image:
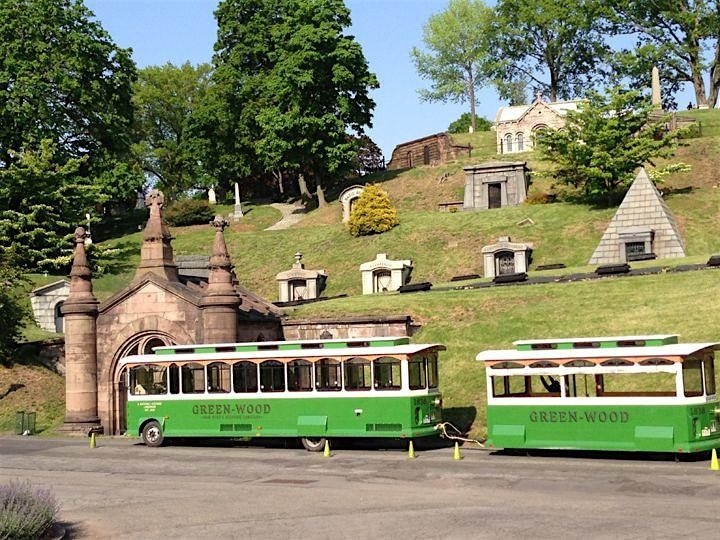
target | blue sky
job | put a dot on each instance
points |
(176, 31)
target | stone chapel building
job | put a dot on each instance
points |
(157, 308)
(516, 126)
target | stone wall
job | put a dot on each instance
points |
(49, 353)
(440, 149)
(348, 327)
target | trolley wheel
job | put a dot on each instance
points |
(313, 444)
(152, 434)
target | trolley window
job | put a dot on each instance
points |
(510, 386)
(654, 384)
(218, 375)
(387, 374)
(417, 372)
(272, 376)
(357, 374)
(299, 376)
(245, 378)
(174, 372)
(692, 377)
(193, 378)
(709, 365)
(544, 385)
(148, 379)
(432, 371)
(327, 375)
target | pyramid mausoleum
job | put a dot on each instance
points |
(642, 228)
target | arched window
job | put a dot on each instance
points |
(426, 155)
(508, 142)
(218, 377)
(520, 142)
(272, 376)
(193, 378)
(357, 374)
(327, 375)
(386, 374)
(245, 377)
(299, 376)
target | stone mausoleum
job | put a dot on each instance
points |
(159, 307)
(431, 150)
(298, 283)
(47, 302)
(496, 184)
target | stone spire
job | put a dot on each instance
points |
(156, 255)
(80, 311)
(220, 300)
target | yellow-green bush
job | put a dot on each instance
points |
(373, 213)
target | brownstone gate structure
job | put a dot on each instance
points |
(158, 307)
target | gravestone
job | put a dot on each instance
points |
(641, 227)
(495, 185)
(505, 258)
(348, 198)
(299, 283)
(212, 198)
(383, 274)
(237, 210)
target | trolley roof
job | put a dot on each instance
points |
(681, 349)
(283, 345)
(602, 342)
(285, 354)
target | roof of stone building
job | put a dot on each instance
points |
(515, 112)
(50, 287)
(642, 209)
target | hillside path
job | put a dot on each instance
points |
(291, 214)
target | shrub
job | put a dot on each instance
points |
(189, 212)
(25, 512)
(373, 212)
(540, 197)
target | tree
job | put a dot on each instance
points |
(557, 46)
(462, 124)
(62, 78)
(457, 44)
(604, 142)
(288, 87)
(164, 98)
(13, 308)
(675, 34)
(368, 158)
(373, 213)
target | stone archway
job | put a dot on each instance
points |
(142, 343)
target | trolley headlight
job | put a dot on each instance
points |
(438, 401)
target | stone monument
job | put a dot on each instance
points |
(299, 283)
(505, 257)
(383, 274)
(237, 211)
(656, 95)
(212, 197)
(348, 198)
(495, 185)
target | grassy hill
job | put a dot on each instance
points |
(443, 245)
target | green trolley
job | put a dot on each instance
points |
(312, 390)
(629, 393)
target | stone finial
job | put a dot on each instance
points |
(80, 278)
(156, 255)
(298, 257)
(220, 258)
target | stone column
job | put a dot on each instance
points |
(220, 301)
(80, 311)
(656, 95)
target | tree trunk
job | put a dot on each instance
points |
(471, 93)
(302, 184)
(320, 195)
(279, 178)
(698, 82)
(714, 77)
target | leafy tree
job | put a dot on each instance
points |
(288, 87)
(373, 213)
(62, 78)
(557, 46)
(164, 98)
(602, 145)
(457, 46)
(41, 202)
(676, 34)
(462, 124)
(13, 307)
(368, 158)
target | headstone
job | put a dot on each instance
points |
(88, 236)
(505, 257)
(656, 95)
(300, 284)
(237, 211)
(212, 198)
(643, 224)
(384, 275)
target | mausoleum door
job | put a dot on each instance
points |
(504, 263)
(494, 195)
(381, 280)
(298, 289)
(426, 155)
(59, 320)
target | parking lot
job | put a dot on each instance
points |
(121, 489)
